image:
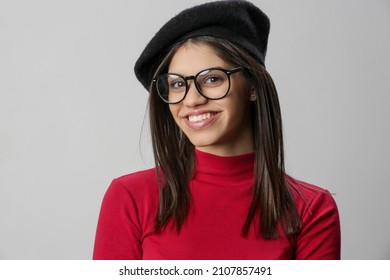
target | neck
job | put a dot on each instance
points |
(226, 151)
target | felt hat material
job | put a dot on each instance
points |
(237, 21)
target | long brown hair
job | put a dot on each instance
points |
(273, 200)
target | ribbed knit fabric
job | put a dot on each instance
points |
(221, 194)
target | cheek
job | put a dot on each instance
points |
(239, 105)
(174, 109)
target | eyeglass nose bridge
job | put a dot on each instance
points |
(189, 78)
(186, 79)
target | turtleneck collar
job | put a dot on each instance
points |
(234, 168)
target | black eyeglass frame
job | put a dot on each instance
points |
(194, 77)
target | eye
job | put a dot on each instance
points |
(213, 80)
(177, 84)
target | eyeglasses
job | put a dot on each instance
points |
(212, 83)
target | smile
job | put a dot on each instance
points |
(200, 121)
(199, 118)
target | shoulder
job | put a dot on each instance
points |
(137, 186)
(138, 180)
(309, 197)
(320, 236)
(126, 215)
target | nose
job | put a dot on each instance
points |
(193, 97)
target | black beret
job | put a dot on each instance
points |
(237, 21)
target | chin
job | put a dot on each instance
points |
(199, 143)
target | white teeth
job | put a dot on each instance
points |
(199, 117)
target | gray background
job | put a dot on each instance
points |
(72, 112)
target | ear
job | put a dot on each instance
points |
(252, 96)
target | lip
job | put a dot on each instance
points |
(203, 123)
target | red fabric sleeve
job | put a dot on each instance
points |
(119, 233)
(320, 235)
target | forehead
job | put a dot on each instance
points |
(191, 58)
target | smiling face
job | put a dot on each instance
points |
(222, 127)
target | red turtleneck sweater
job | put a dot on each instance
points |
(221, 192)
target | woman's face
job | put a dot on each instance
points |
(222, 127)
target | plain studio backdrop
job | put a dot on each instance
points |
(72, 114)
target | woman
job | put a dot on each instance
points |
(219, 189)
